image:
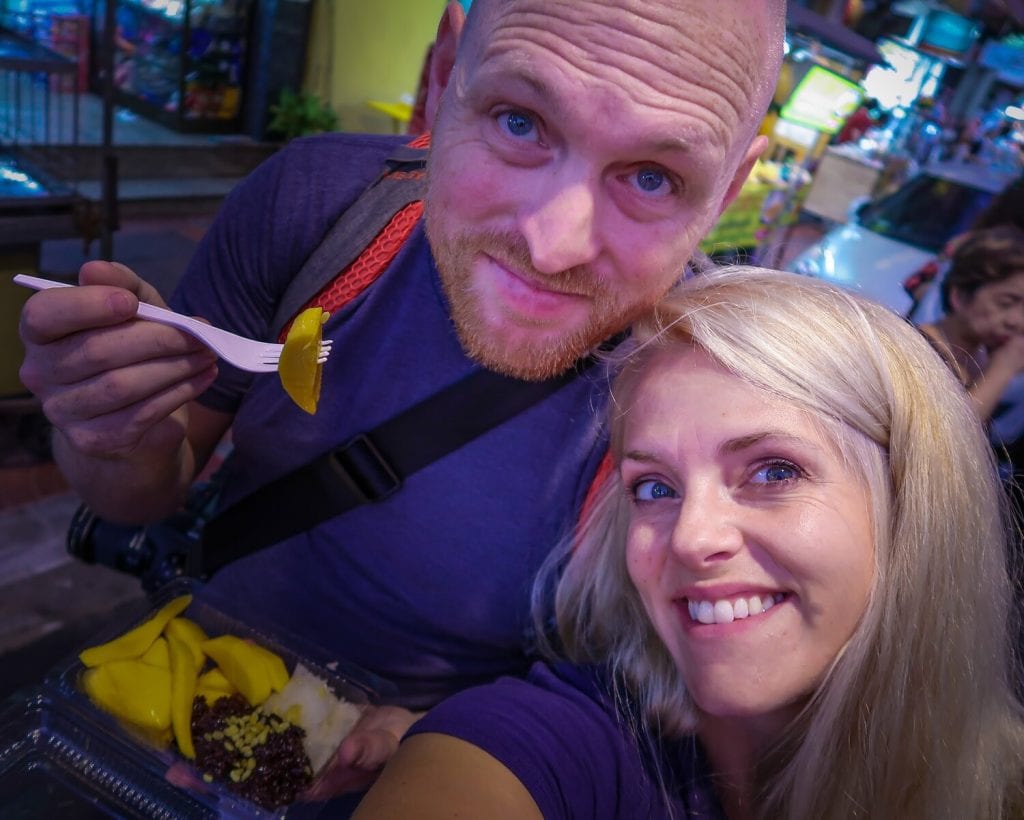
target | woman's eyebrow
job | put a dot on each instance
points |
(640, 455)
(735, 445)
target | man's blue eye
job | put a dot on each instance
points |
(776, 472)
(518, 123)
(650, 180)
(652, 490)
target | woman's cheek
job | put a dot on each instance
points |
(643, 559)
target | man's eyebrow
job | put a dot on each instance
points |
(523, 73)
(672, 145)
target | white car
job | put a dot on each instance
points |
(887, 239)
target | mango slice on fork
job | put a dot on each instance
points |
(300, 368)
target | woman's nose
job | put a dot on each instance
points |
(707, 529)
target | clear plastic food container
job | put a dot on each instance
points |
(57, 762)
(58, 751)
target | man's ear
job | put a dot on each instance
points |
(757, 147)
(442, 57)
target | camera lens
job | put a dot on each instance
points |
(96, 541)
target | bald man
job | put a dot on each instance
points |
(580, 150)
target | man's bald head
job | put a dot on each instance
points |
(757, 29)
(581, 150)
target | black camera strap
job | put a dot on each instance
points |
(372, 466)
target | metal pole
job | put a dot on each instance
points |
(109, 222)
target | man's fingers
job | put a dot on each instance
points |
(108, 294)
(120, 276)
(111, 390)
(53, 314)
(355, 765)
(121, 430)
(81, 356)
(377, 749)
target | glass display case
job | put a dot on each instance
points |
(180, 62)
(59, 25)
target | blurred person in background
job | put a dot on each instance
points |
(1007, 208)
(982, 331)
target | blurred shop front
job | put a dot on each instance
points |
(207, 66)
(853, 116)
(818, 91)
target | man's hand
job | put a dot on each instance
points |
(110, 384)
(363, 753)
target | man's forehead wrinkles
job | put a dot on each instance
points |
(672, 96)
(634, 61)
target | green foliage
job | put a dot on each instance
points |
(297, 115)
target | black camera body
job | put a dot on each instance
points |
(156, 554)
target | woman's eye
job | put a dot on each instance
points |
(517, 123)
(776, 472)
(651, 490)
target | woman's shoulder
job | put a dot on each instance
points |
(558, 731)
(574, 739)
(548, 700)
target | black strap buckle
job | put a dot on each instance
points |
(365, 469)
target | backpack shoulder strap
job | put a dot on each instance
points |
(397, 191)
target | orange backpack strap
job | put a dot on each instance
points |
(604, 470)
(363, 241)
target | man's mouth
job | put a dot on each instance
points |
(727, 610)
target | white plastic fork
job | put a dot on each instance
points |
(247, 354)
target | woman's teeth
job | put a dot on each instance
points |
(725, 612)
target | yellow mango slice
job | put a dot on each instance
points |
(214, 679)
(277, 672)
(132, 690)
(183, 692)
(241, 665)
(135, 642)
(211, 695)
(189, 633)
(157, 655)
(213, 686)
(299, 368)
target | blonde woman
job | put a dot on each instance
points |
(789, 600)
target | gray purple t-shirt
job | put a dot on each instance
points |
(428, 588)
(560, 733)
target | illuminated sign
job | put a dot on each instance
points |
(822, 100)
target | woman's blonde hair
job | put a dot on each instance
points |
(917, 716)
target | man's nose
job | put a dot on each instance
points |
(560, 224)
(707, 530)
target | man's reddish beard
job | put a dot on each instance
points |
(546, 353)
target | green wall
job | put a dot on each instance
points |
(371, 50)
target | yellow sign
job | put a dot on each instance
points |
(740, 224)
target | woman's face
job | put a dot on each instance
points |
(994, 312)
(750, 541)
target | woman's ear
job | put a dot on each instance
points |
(958, 300)
(442, 57)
